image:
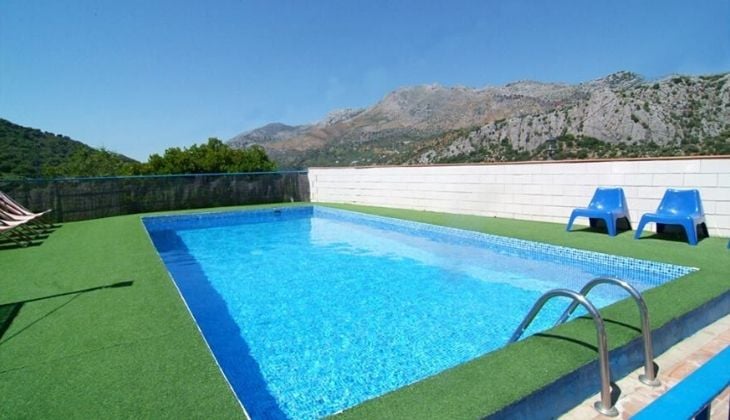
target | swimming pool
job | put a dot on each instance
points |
(310, 310)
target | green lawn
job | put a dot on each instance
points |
(77, 348)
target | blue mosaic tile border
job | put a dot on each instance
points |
(644, 273)
(224, 218)
(647, 273)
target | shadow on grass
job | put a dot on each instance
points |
(615, 389)
(598, 231)
(9, 311)
(623, 324)
(28, 240)
(568, 339)
(16, 245)
(669, 237)
(599, 226)
(7, 315)
(675, 233)
(611, 321)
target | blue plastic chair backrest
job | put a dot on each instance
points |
(681, 202)
(608, 198)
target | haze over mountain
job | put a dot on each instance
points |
(621, 114)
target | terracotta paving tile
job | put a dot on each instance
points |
(724, 336)
(716, 346)
(720, 409)
(659, 392)
(632, 407)
(670, 382)
(682, 370)
(700, 356)
(704, 336)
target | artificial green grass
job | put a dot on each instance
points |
(79, 349)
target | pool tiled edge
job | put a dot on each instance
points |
(578, 256)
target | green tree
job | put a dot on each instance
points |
(212, 157)
(92, 162)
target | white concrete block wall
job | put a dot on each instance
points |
(545, 191)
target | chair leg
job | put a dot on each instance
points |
(570, 222)
(610, 225)
(691, 230)
(640, 228)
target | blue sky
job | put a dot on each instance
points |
(137, 77)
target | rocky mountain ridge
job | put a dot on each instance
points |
(432, 123)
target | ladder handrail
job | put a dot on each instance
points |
(649, 376)
(604, 406)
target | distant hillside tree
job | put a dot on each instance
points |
(92, 162)
(213, 157)
(30, 153)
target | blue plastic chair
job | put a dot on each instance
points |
(608, 204)
(678, 207)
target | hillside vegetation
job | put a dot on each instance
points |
(31, 153)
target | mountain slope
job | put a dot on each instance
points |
(381, 132)
(26, 152)
(425, 124)
(670, 115)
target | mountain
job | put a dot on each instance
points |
(29, 152)
(618, 115)
(268, 133)
(405, 116)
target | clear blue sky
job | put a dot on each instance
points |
(138, 77)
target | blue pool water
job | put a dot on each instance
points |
(311, 310)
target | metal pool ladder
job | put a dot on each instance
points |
(649, 375)
(604, 406)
